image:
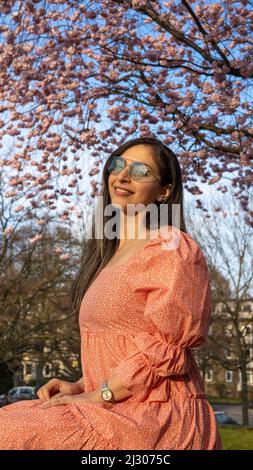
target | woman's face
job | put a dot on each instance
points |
(140, 192)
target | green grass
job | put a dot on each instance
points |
(234, 438)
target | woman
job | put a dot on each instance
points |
(143, 304)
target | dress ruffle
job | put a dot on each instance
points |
(35, 428)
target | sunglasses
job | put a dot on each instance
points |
(139, 171)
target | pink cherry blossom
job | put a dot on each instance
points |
(65, 257)
(18, 208)
(9, 230)
(35, 238)
(78, 77)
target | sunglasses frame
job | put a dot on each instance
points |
(131, 166)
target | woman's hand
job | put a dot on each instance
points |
(58, 388)
(90, 397)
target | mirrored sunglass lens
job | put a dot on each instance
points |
(139, 170)
(116, 165)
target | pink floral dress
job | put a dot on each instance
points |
(140, 321)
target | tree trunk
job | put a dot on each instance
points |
(245, 410)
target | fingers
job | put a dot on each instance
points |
(45, 392)
(59, 395)
(68, 399)
(63, 400)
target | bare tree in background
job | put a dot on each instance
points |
(228, 245)
(35, 278)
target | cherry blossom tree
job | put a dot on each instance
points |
(78, 78)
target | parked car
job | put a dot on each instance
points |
(21, 393)
(224, 419)
(3, 400)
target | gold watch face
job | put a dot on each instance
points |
(107, 395)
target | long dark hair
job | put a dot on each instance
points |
(97, 252)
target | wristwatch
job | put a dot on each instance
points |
(106, 393)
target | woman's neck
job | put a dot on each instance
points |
(132, 230)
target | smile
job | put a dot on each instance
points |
(122, 192)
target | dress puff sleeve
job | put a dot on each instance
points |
(177, 309)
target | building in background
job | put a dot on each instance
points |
(219, 367)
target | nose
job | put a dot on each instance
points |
(124, 174)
